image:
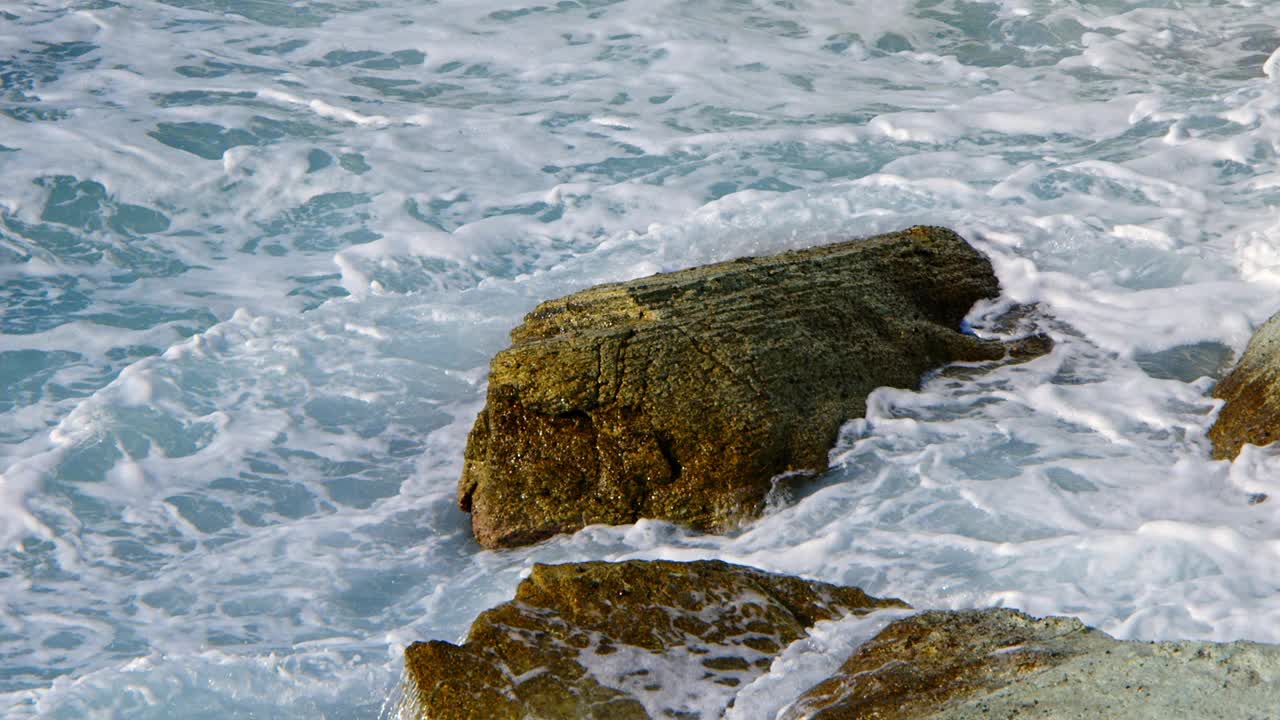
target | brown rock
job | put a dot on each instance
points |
(923, 662)
(686, 396)
(983, 664)
(1252, 394)
(596, 640)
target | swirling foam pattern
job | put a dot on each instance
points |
(254, 257)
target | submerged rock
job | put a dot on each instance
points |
(621, 641)
(1252, 394)
(978, 664)
(686, 396)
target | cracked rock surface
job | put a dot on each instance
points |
(621, 641)
(685, 396)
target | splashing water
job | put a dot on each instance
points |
(255, 257)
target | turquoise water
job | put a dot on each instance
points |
(255, 256)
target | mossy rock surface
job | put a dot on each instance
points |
(687, 396)
(1252, 395)
(621, 641)
(999, 663)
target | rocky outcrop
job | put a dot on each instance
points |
(974, 665)
(1252, 394)
(644, 640)
(687, 396)
(620, 641)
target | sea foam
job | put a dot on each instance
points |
(255, 259)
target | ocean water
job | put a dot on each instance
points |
(255, 256)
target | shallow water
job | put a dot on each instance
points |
(254, 258)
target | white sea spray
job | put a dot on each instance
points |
(254, 258)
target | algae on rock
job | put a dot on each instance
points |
(595, 640)
(686, 396)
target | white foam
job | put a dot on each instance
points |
(1271, 68)
(236, 504)
(806, 663)
(326, 110)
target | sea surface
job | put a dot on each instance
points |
(255, 257)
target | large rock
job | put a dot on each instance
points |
(1252, 394)
(686, 396)
(645, 640)
(620, 641)
(974, 665)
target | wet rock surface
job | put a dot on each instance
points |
(618, 641)
(686, 396)
(971, 665)
(1252, 394)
